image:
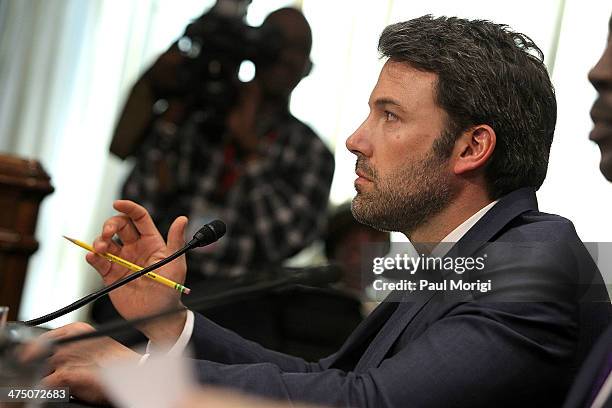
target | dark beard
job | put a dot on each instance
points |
(406, 199)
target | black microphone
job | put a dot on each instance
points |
(206, 235)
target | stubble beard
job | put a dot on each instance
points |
(407, 198)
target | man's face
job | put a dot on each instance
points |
(402, 182)
(601, 113)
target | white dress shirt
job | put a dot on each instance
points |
(455, 235)
(180, 345)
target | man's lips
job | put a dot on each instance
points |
(601, 114)
(602, 107)
(363, 175)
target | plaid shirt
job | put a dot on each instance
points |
(273, 207)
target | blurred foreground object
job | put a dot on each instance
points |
(15, 370)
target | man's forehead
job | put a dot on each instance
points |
(400, 82)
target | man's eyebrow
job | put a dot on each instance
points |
(387, 101)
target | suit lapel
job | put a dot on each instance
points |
(397, 323)
(364, 332)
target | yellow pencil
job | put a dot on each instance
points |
(132, 267)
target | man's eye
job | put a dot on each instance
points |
(390, 116)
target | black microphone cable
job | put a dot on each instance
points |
(206, 235)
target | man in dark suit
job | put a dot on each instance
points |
(593, 385)
(454, 147)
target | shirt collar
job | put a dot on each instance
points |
(455, 235)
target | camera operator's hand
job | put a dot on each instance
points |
(160, 81)
(163, 74)
(143, 245)
(242, 119)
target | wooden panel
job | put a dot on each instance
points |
(23, 185)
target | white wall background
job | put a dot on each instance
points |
(66, 65)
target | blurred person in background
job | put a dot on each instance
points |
(593, 386)
(352, 246)
(601, 113)
(237, 154)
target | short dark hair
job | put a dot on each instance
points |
(487, 74)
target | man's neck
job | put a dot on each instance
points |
(462, 207)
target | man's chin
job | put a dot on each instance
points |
(605, 166)
(359, 208)
(364, 215)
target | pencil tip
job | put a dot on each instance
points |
(70, 239)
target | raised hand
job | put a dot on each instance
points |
(143, 245)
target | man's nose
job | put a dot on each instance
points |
(601, 74)
(359, 142)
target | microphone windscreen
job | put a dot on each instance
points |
(208, 234)
(218, 227)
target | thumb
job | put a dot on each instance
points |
(176, 234)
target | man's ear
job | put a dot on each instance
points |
(473, 149)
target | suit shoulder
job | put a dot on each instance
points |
(538, 226)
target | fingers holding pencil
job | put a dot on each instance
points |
(106, 247)
(142, 246)
(102, 262)
(103, 265)
(123, 227)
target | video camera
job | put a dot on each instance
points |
(214, 47)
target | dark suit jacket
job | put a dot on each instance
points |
(518, 345)
(587, 384)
